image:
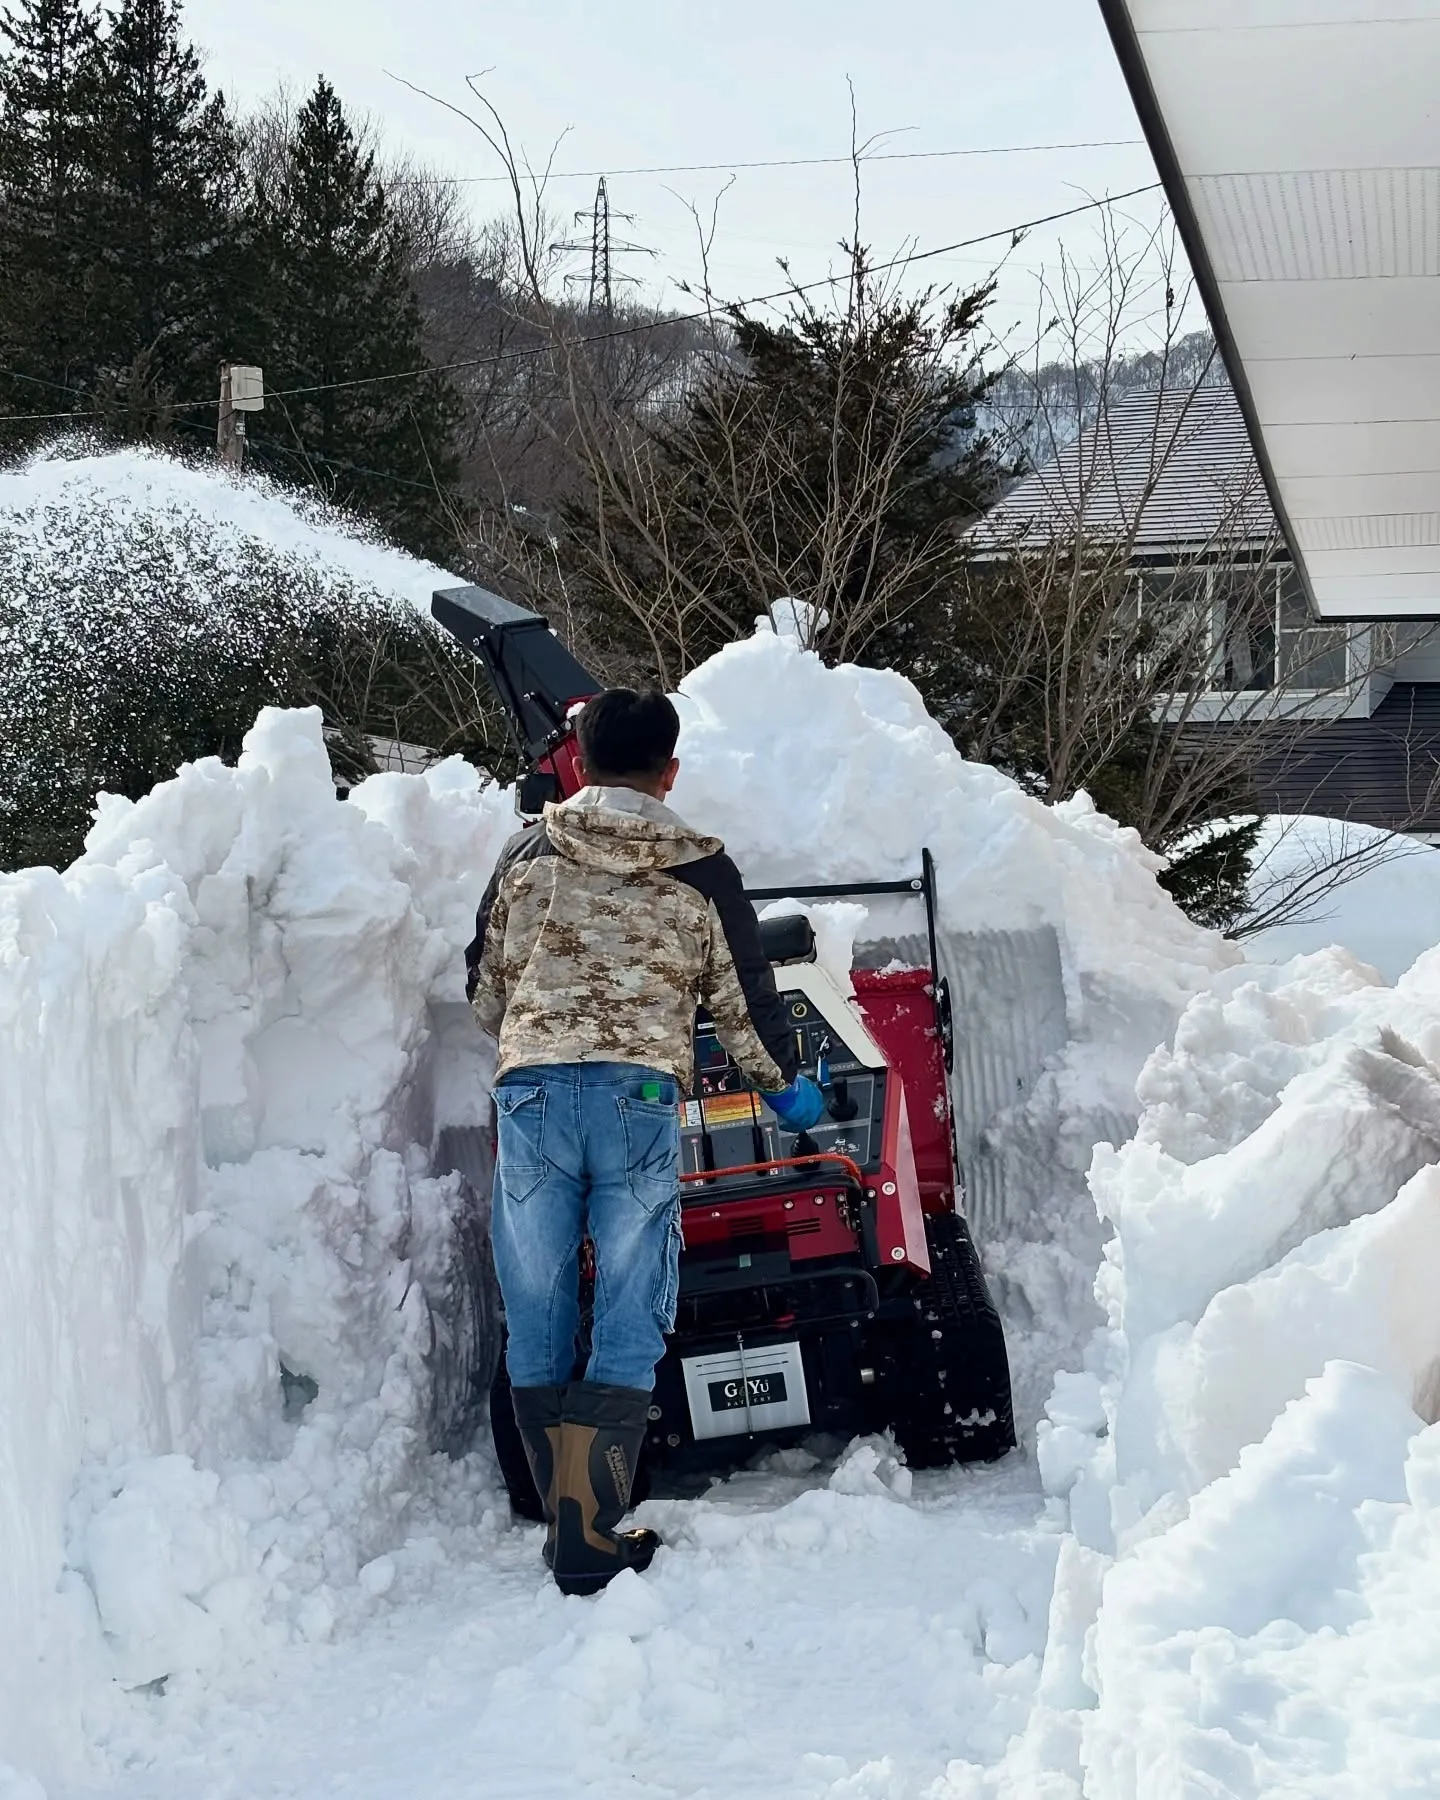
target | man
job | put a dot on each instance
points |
(600, 933)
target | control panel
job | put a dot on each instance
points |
(728, 1125)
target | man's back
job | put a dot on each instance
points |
(605, 928)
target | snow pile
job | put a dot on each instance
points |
(1250, 1458)
(216, 1120)
(819, 775)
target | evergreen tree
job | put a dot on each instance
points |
(335, 314)
(48, 72)
(833, 457)
(164, 220)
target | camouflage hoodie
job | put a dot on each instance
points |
(605, 928)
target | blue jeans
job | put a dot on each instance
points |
(584, 1153)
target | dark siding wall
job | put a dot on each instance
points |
(1384, 770)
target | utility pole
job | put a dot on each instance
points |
(603, 250)
(242, 390)
(230, 438)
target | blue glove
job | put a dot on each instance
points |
(799, 1107)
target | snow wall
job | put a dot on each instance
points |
(1248, 1600)
(216, 1120)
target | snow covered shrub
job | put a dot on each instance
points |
(110, 678)
(143, 626)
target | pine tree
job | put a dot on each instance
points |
(832, 457)
(164, 225)
(48, 73)
(335, 314)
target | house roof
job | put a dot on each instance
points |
(1384, 770)
(1296, 141)
(1159, 469)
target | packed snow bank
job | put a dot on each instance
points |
(1375, 892)
(1248, 1460)
(230, 1050)
(819, 775)
(215, 1127)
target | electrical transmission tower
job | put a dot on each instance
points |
(603, 277)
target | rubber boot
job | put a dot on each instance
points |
(600, 1443)
(539, 1412)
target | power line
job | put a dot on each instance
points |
(55, 387)
(623, 331)
(797, 162)
(58, 387)
(89, 412)
(274, 447)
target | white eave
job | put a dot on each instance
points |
(1300, 144)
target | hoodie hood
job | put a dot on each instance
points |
(623, 832)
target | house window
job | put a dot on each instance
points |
(1242, 625)
(1250, 626)
(1312, 656)
(1174, 605)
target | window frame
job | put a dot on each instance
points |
(1216, 655)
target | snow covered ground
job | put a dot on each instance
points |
(230, 1565)
(1386, 910)
(801, 1636)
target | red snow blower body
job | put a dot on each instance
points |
(829, 1283)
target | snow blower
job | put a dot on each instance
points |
(829, 1283)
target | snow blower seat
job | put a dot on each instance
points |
(790, 938)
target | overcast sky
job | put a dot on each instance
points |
(639, 83)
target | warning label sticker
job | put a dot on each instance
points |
(730, 1109)
(691, 1114)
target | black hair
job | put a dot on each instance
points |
(625, 733)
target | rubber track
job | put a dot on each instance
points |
(940, 1381)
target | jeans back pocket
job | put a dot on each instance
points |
(652, 1149)
(520, 1164)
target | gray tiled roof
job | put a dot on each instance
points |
(1171, 467)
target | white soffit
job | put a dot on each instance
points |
(1300, 142)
